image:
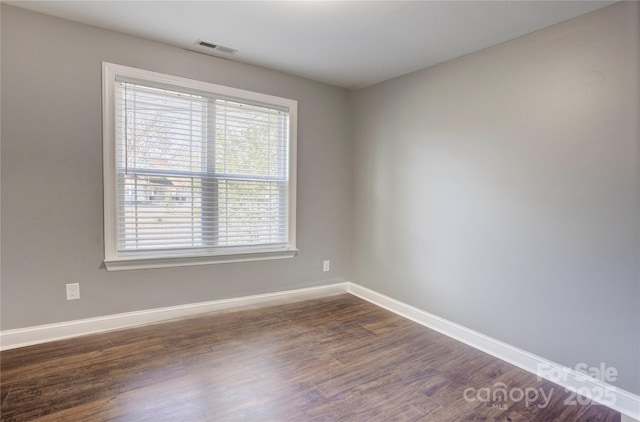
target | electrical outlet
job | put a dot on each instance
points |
(73, 291)
(326, 265)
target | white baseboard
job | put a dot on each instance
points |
(620, 400)
(615, 398)
(11, 339)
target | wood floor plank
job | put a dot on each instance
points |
(331, 359)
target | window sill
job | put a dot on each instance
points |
(147, 262)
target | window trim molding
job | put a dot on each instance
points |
(148, 262)
(115, 261)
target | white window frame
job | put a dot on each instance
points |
(118, 260)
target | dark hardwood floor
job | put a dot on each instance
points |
(332, 359)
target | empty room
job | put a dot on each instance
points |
(320, 211)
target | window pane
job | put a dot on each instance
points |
(250, 140)
(251, 212)
(163, 130)
(160, 212)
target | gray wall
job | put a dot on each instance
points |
(501, 191)
(52, 176)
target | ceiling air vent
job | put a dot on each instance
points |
(216, 47)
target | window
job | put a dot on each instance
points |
(195, 173)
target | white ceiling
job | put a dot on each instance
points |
(351, 44)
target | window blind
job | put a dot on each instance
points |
(197, 171)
